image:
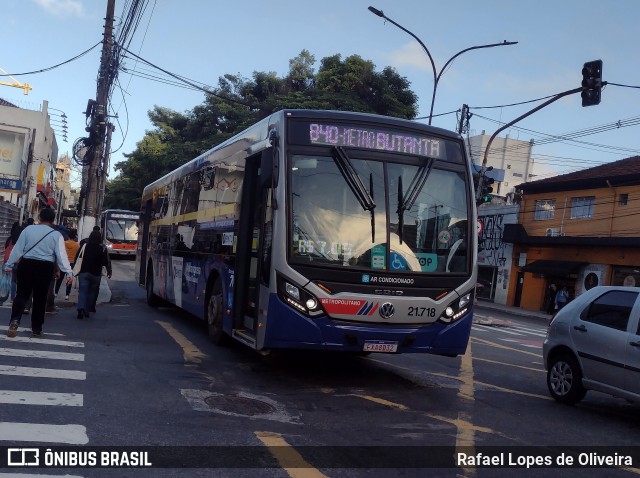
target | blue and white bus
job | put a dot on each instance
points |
(319, 230)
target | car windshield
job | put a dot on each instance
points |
(400, 217)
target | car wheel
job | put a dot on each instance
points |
(564, 379)
(214, 314)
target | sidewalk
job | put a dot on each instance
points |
(488, 307)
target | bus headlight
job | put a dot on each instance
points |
(456, 310)
(298, 298)
(292, 291)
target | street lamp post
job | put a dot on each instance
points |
(436, 76)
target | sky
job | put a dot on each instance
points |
(205, 39)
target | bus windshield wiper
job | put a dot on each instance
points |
(405, 203)
(364, 197)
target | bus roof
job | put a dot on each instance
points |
(258, 133)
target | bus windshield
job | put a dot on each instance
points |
(121, 230)
(418, 222)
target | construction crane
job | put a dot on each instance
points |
(25, 86)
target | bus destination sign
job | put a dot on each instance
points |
(375, 139)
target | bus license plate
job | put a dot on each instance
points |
(380, 346)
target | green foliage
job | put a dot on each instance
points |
(351, 84)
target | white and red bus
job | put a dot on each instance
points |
(120, 231)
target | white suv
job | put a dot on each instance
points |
(593, 343)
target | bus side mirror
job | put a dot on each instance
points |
(269, 167)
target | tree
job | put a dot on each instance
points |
(351, 84)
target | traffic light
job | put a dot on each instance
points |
(485, 189)
(591, 83)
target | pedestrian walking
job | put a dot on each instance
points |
(562, 297)
(16, 229)
(93, 257)
(38, 249)
(71, 246)
(551, 298)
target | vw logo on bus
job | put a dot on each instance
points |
(386, 310)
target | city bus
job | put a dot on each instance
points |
(120, 231)
(323, 230)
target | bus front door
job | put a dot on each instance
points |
(250, 249)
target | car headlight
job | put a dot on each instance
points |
(298, 297)
(457, 309)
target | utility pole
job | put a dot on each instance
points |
(463, 124)
(98, 151)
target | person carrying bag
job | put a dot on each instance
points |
(92, 258)
(38, 248)
(77, 266)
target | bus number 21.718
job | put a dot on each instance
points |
(422, 312)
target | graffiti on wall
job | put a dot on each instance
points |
(491, 248)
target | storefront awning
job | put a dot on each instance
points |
(554, 268)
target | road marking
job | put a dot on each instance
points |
(465, 430)
(510, 332)
(508, 364)
(534, 344)
(541, 331)
(290, 460)
(42, 372)
(19, 397)
(479, 328)
(381, 401)
(27, 329)
(39, 432)
(515, 392)
(191, 353)
(62, 343)
(22, 475)
(493, 344)
(42, 354)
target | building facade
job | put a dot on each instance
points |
(28, 157)
(510, 158)
(576, 230)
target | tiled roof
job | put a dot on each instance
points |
(6, 103)
(627, 169)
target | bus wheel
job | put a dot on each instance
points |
(152, 299)
(214, 314)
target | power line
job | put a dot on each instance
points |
(54, 66)
(184, 80)
(576, 134)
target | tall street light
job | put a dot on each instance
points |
(436, 77)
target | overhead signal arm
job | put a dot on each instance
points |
(590, 91)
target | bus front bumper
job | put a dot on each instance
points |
(288, 329)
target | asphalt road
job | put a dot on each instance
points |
(140, 377)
